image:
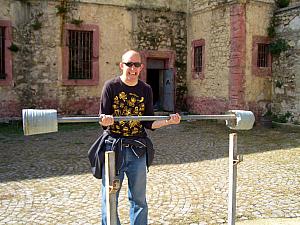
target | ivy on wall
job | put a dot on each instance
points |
(282, 3)
(66, 10)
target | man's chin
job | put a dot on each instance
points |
(133, 77)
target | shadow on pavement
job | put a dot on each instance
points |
(65, 152)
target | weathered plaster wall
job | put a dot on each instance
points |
(163, 30)
(258, 88)
(37, 66)
(172, 5)
(228, 27)
(115, 25)
(211, 93)
(286, 67)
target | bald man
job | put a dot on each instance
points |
(127, 95)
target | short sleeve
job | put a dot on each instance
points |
(105, 100)
(149, 107)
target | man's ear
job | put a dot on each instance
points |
(142, 66)
(121, 65)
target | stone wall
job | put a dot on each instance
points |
(286, 67)
(228, 28)
(161, 30)
(37, 66)
(258, 88)
(210, 95)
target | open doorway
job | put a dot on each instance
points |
(154, 79)
(162, 82)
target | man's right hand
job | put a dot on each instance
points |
(106, 120)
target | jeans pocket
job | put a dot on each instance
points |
(108, 146)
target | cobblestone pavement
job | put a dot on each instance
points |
(46, 179)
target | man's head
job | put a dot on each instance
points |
(131, 67)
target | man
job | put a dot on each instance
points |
(126, 95)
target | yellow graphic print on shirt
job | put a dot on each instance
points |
(128, 105)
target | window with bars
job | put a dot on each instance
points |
(198, 59)
(80, 61)
(262, 55)
(6, 75)
(2, 53)
(198, 54)
(80, 54)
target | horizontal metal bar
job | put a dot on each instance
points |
(146, 118)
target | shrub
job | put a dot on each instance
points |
(282, 3)
(278, 46)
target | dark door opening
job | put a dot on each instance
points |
(154, 81)
(161, 80)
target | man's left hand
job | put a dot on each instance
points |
(174, 119)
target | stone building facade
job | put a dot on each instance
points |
(171, 35)
(286, 66)
(228, 81)
(39, 66)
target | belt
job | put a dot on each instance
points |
(126, 145)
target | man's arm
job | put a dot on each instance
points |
(106, 120)
(174, 119)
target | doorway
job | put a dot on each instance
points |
(154, 79)
(162, 82)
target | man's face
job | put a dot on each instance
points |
(131, 67)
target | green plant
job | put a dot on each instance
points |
(13, 47)
(278, 46)
(271, 29)
(61, 9)
(76, 21)
(268, 114)
(12, 127)
(36, 25)
(282, 118)
(282, 3)
(279, 83)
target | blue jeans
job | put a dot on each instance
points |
(136, 171)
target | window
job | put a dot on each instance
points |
(2, 53)
(5, 53)
(81, 55)
(261, 57)
(198, 50)
(198, 59)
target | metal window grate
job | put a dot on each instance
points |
(198, 59)
(2, 53)
(80, 54)
(263, 54)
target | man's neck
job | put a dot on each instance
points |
(123, 79)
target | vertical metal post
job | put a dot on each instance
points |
(233, 160)
(111, 196)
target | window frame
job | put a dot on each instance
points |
(95, 55)
(260, 71)
(7, 53)
(195, 44)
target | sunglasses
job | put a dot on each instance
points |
(130, 64)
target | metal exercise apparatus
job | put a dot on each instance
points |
(37, 121)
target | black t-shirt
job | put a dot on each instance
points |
(119, 99)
